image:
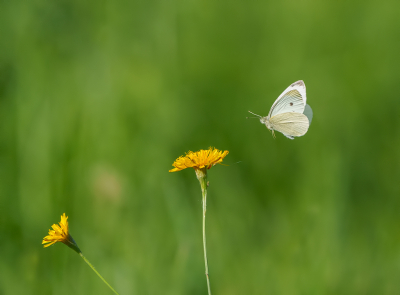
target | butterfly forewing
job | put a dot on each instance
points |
(290, 124)
(300, 86)
(291, 101)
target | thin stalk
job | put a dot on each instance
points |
(202, 177)
(204, 239)
(87, 261)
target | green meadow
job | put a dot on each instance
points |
(99, 98)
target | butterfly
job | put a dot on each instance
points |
(290, 114)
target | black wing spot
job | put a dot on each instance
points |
(291, 103)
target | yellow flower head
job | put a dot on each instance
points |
(60, 233)
(199, 160)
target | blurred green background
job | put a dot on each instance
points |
(98, 98)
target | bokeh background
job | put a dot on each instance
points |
(98, 98)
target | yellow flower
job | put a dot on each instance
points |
(60, 233)
(199, 160)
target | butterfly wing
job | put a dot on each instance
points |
(290, 124)
(293, 99)
(308, 112)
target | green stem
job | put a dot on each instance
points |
(204, 240)
(202, 177)
(87, 261)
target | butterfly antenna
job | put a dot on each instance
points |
(255, 114)
(258, 116)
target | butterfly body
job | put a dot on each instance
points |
(290, 114)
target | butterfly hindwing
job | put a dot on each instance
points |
(308, 112)
(290, 124)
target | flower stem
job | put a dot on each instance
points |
(204, 239)
(202, 177)
(87, 261)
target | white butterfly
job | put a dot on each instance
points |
(290, 114)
